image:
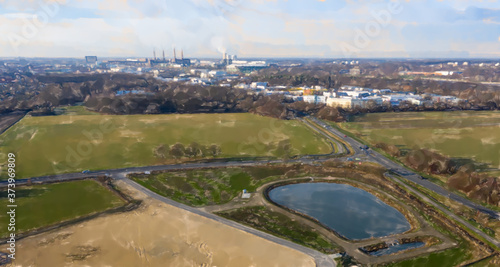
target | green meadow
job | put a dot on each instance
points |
(210, 186)
(43, 205)
(72, 143)
(461, 134)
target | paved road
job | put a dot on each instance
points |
(321, 259)
(447, 212)
(184, 166)
(377, 157)
(336, 132)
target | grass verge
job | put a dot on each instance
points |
(450, 257)
(280, 225)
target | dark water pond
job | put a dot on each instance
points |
(350, 211)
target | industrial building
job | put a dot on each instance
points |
(181, 62)
(233, 65)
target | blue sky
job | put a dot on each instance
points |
(251, 28)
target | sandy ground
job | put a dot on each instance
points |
(154, 235)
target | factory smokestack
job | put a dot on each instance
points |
(163, 54)
(154, 54)
(182, 54)
(175, 55)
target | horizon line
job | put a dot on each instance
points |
(262, 57)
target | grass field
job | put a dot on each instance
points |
(72, 143)
(211, 186)
(450, 257)
(464, 134)
(43, 205)
(280, 225)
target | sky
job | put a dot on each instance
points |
(251, 28)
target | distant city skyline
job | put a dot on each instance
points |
(251, 28)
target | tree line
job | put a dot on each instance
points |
(193, 150)
(42, 94)
(461, 174)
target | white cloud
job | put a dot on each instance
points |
(251, 28)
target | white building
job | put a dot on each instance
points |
(416, 101)
(351, 88)
(259, 85)
(339, 102)
(355, 94)
(444, 73)
(348, 102)
(217, 73)
(242, 86)
(448, 99)
(315, 99)
(245, 194)
(396, 99)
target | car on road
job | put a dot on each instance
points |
(349, 159)
(345, 135)
(85, 171)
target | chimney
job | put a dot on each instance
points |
(154, 54)
(175, 56)
(163, 54)
(182, 54)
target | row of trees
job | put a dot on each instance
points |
(190, 99)
(431, 162)
(194, 150)
(461, 174)
(283, 149)
(427, 161)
